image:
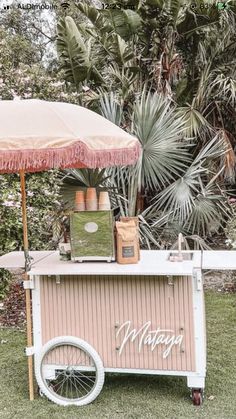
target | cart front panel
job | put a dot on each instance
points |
(136, 322)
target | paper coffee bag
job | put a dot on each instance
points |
(127, 239)
(136, 220)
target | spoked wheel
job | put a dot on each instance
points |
(69, 371)
(197, 396)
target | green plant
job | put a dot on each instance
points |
(5, 280)
(196, 199)
(76, 179)
(171, 82)
(170, 189)
(42, 199)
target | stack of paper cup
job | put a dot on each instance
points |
(91, 200)
(104, 201)
(79, 201)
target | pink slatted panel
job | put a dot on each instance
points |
(93, 308)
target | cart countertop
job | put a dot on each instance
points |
(153, 262)
(16, 260)
(219, 260)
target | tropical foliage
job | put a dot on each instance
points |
(165, 71)
(43, 200)
(5, 280)
(23, 76)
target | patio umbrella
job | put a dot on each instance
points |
(37, 135)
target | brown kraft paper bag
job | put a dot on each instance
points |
(127, 242)
(136, 220)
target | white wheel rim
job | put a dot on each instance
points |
(55, 366)
(75, 372)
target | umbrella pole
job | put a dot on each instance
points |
(27, 291)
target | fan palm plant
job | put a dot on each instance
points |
(195, 199)
(185, 187)
(159, 129)
(168, 75)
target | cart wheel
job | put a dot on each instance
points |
(197, 396)
(69, 371)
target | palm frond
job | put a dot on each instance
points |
(222, 87)
(228, 159)
(123, 187)
(159, 130)
(110, 107)
(206, 216)
(90, 178)
(215, 148)
(192, 242)
(187, 196)
(123, 78)
(194, 122)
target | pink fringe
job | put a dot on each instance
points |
(76, 156)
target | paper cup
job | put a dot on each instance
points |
(80, 206)
(104, 201)
(91, 205)
(105, 207)
(79, 201)
(91, 194)
(79, 197)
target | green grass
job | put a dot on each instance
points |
(135, 396)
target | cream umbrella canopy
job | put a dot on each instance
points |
(37, 135)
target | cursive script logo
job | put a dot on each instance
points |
(149, 337)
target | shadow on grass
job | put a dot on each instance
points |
(147, 383)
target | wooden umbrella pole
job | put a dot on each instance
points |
(27, 291)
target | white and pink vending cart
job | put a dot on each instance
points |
(96, 317)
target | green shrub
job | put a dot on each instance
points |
(43, 201)
(5, 279)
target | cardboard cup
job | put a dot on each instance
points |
(80, 206)
(91, 205)
(105, 207)
(79, 197)
(91, 194)
(104, 201)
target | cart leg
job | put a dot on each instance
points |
(196, 385)
(197, 396)
(195, 382)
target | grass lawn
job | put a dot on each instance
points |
(135, 396)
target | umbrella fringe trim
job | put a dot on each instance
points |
(75, 156)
